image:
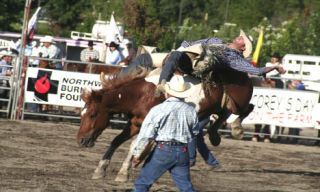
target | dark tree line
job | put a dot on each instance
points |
(291, 26)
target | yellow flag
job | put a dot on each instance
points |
(256, 53)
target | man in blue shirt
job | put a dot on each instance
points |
(5, 69)
(172, 124)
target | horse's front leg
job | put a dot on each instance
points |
(214, 136)
(126, 134)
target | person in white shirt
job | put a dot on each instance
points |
(51, 51)
(275, 61)
(89, 53)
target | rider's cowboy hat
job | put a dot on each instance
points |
(177, 87)
(247, 52)
(46, 39)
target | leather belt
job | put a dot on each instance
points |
(171, 143)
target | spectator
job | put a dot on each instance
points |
(113, 55)
(295, 85)
(5, 69)
(51, 51)
(265, 130)
(89, 52)
(5, 63)
(131, 51)
(272, 82)
(172, 124)
(275, 82)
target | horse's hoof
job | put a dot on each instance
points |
(98, 174)
(236, 129)
(214, 137)
(237, 133)
(121, 178)
(100, 171)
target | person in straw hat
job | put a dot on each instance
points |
(51, 51)
(172, 124)
(5, 70)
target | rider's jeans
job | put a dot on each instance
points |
(202, 147)
(166, 157)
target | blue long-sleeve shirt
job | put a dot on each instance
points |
(230, 57)
(4, 68)
(173, 120)
(113, 57)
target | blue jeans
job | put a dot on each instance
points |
(176, 61)
(165, 157)
(202, 147)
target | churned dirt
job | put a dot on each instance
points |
(44, 156)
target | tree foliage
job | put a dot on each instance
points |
(11, 20)
(140, 25)
(291, 26)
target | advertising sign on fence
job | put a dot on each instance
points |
(55, 87)
(289, 108)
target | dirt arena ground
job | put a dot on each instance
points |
(44, 156)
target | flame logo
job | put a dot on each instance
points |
(42, 85)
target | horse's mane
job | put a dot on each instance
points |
(115, 81)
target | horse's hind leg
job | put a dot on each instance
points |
(126, 165)
(214, 136)
(236, 127)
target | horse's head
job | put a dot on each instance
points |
(94, 118)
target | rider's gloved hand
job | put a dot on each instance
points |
(160, 88)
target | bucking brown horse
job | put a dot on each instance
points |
(134, 96)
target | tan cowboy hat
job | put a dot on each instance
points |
(177, 87)
(47, 39)
(248, 44)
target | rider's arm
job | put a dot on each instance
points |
(276, 67)
(237, 62)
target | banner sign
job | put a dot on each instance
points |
(44, 86)
(288, 108)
